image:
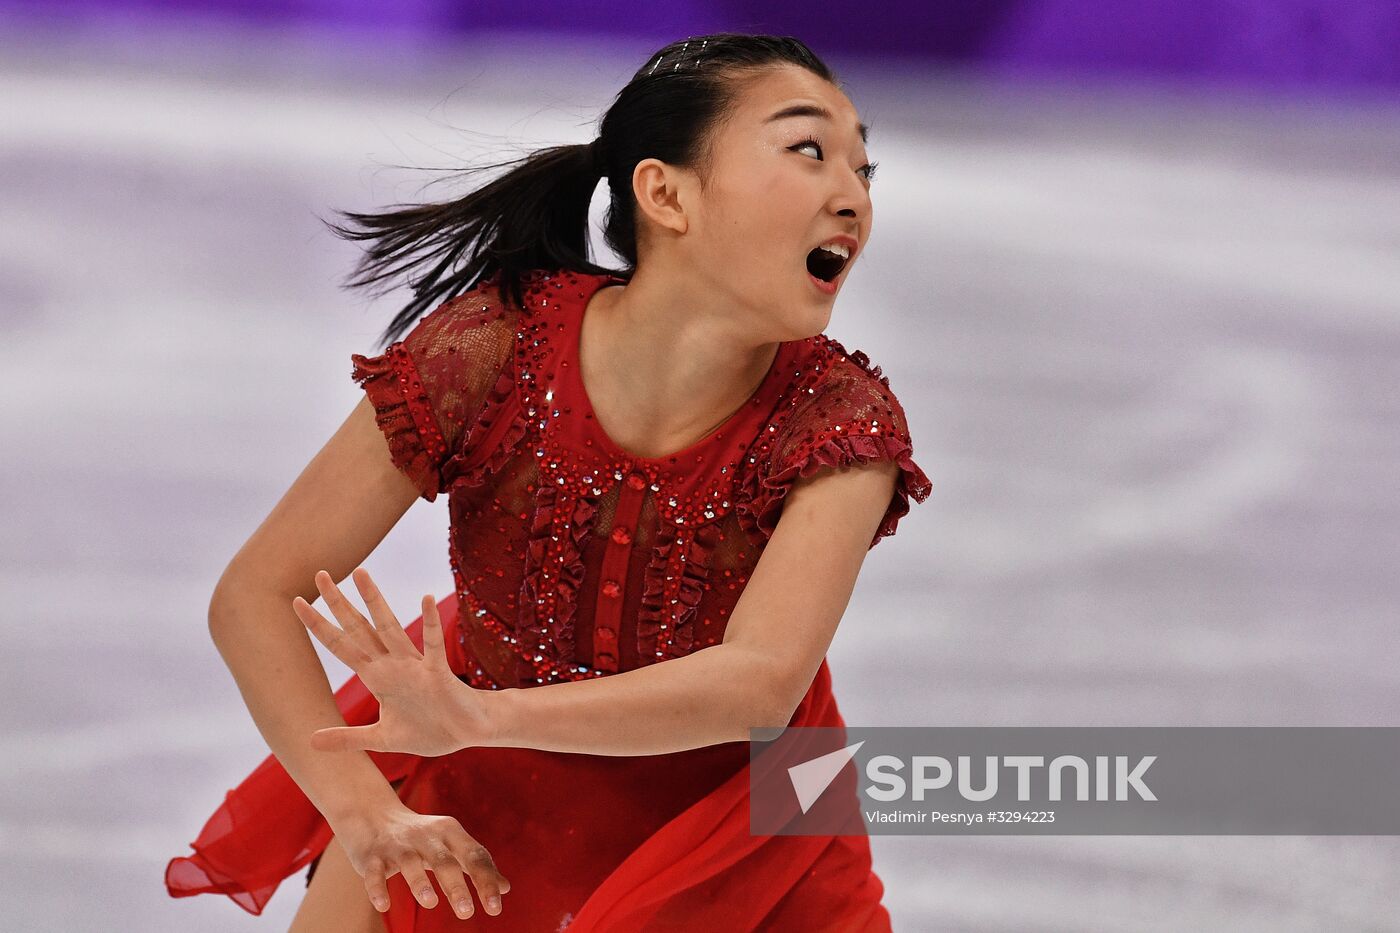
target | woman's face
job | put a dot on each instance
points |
(773, 197)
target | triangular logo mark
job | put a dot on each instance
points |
(810, 778)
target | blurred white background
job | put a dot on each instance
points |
(1147, 339)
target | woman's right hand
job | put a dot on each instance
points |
(393, 839)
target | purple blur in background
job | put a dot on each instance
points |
(1331, 45)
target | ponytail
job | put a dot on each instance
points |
(535, 216)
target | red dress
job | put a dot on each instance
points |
(574, 559)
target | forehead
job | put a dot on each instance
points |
(790, 87)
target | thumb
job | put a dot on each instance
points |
(345, 738)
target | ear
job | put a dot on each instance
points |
(662, 192)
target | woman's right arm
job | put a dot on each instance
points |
(341, 506)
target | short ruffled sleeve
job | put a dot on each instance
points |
(851, 417)
(428, 387)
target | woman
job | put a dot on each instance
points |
(618, 451)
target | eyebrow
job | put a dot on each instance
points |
(815, 110)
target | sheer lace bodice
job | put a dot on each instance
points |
(572, 558)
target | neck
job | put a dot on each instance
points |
(665, 365)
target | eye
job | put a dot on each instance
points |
(868, 168)
(809, 141)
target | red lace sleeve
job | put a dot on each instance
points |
(428, 388)
(852, 417)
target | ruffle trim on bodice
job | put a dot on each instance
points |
(846, 443)
(547, 607)
(404, 413)
(491, 442)
(860, 358)
(673, 583)
(761, 507)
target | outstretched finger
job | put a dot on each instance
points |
(330, 635)
(376, 885)
(417, 880)
(476, 859)
(395, 639)
(450, 878)
(434, 645)
(350, 618)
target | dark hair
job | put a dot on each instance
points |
(535, 216)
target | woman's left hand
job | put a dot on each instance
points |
(423, 708)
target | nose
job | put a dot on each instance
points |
(851, 199)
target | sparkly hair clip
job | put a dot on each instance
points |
(680, 56)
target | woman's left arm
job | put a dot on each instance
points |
(775, 641)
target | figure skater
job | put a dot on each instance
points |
(662, 483)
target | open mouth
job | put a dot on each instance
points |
(826, 262)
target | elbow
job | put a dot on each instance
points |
(772, 708)
(219, 604)
(223, 603)
(772, 700)
(216, 615)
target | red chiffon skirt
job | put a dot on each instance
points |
(589, 842)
